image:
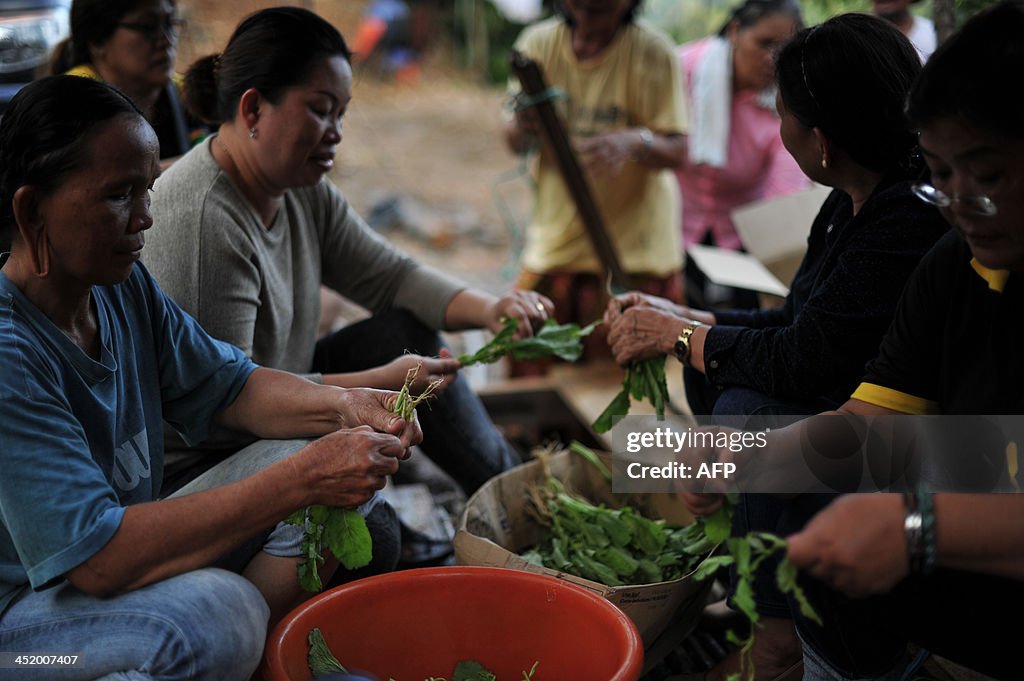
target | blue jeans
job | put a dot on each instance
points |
(458, 434)
(204, 625)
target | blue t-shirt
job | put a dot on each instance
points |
(81, 439)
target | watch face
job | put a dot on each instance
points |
(682, 349)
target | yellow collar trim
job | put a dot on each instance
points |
(84, 71)
(996, 279)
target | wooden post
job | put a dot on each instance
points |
(534, 85)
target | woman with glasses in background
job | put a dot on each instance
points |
(131, 44)
(734, 151)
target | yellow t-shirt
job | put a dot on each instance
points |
(634, 83)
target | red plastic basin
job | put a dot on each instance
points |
(412, 624)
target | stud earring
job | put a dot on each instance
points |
(824, 162)
(252, 132)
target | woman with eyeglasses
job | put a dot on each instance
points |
(954, 348)
(131, 44)
(841, 92)
(734, 153)
(942, 569)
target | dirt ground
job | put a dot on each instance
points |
(435, 145)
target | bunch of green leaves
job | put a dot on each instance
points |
(644, 379)
(561, 340)
(747, 553)
(615, 547)
(406, 402)
(341, 530)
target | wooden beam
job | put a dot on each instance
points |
(534, 86)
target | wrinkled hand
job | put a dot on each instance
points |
(856, 544)
(444, 368)
(531, 309)
(640, 333)
(625, 301)
(349, 465)
(370, 407)
(605, 155)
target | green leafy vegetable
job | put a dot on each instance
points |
(343, 530)
(580, 449)
(611, 546)
(747, 554)
(645, 379)
(322, 663)
(320, 658)
(562, 340)
(471, 670)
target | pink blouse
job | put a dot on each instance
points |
(758, 166)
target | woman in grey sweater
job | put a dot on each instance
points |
(247, 228)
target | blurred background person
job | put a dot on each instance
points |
(735, 153)
(132, 45)
(920, 31)
(624, 111)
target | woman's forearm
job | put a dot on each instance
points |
(277, 404)
(469, 309)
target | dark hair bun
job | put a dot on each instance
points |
(201, 89)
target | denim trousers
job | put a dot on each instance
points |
(205, 625)
(458, 434)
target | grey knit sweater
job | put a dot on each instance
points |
(258, 287)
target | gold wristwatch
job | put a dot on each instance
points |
(682, 347)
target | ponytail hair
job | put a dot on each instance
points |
(849, 77)
(271, 51)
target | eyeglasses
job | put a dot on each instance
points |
(979, 205)
(168, 26)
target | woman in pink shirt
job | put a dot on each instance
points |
(735, 151)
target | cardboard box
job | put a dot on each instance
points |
(774, 234)
(495, 527)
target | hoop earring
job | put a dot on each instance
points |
(41, 256)
(252, 133)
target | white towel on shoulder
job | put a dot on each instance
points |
(712, 105)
